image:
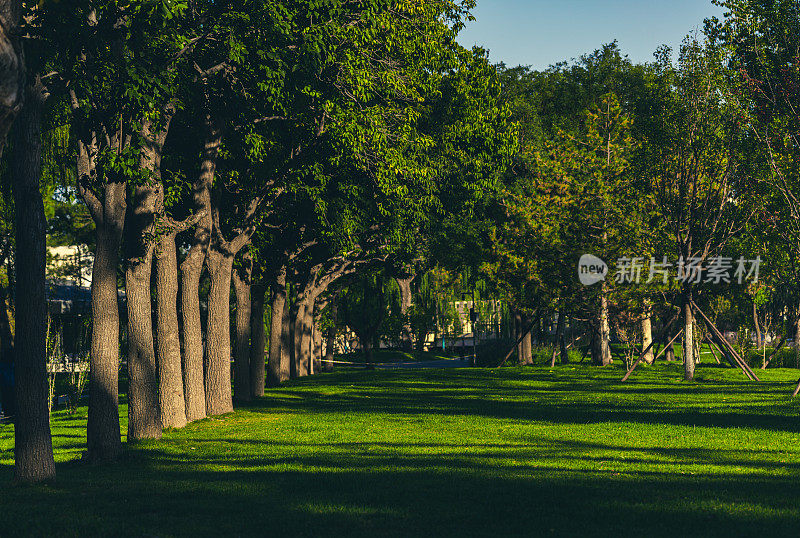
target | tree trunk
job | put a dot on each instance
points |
(278, 370)
(12, 68)
(316, 340)
(219, 399)
(287, 340)
(558, 342)
(688, 335)
(33, 446)
(191, 271)
(405, 303)
(145, 214)
(144, 412)
(366, 344)
(302, 336)
(241, 359)
(6, 355)
(757, 326)
(330, 342)
(522, 357)
(527, 345)
(258, 342)
(669, 354)
(797, 339)
(192, 332)
(601, 352)
(647, 332)
(168, 347)
(102, 428)
(564, 350)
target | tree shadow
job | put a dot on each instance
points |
(339, 488)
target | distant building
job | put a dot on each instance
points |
(69, 294)
(70, 265)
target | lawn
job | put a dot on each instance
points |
(534, 451)
(389, 356)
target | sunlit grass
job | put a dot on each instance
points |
(448, 452)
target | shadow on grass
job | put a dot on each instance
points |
(205, 481)
(748, 405)
(473, 490)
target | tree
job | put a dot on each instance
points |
(33, 447)
(109, 69)
(760, 42)
(363, 308)
(694, 162)
(594, 166)
(12, 67)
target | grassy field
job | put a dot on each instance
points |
(389, 356)
(534, 451)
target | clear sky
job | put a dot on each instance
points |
(542, 32)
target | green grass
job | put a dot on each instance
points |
(534, 451)
(391, 356)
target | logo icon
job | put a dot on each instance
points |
(591, 270)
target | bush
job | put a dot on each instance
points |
(785, 358)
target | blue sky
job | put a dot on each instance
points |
(541, 32)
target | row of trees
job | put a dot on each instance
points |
(254, 156)
(688, 158)
(692, 159)
(246, 145)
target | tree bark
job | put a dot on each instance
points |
(191, 272)
(523, 359)
(6, 355)
(669, 354)
(192, 333)
(258, 342)
(527, 344)
(366, 344)
(287, 340)
(316, 338)
(797, 339)
(330, 339)
(171, 395)
(404, 284)
(757, 326)
(219, 261)
(102, 429)
(278, 371)
(688, 335)
(601, 352)
(564, 350)
(219, 399)
(559, 341)
(146, 210)
(12, 68)
(241, 359)
(302, 336)
(647, 332)
(144, 410)
(33, 446)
